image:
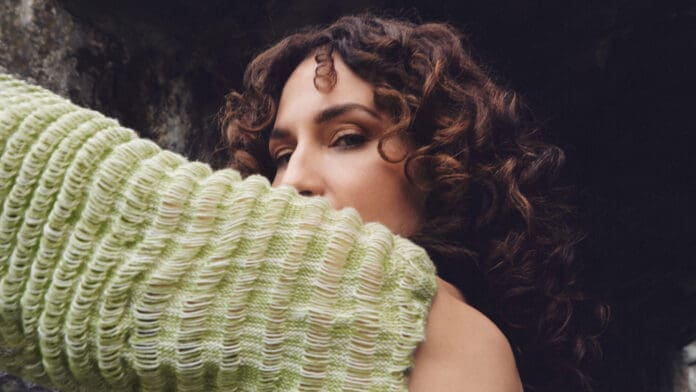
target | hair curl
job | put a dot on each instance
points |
(496, 225)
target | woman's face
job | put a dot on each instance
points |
(324, 143)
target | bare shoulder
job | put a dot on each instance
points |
(463, 350)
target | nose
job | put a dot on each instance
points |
(303, 172)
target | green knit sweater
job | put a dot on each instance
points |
(124, 266)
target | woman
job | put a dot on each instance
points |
(399, 122)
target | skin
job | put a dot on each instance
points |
(324, 144)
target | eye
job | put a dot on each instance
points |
(349, 140)
(282, 158)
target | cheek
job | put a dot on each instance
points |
(360, 179)
(377, 189)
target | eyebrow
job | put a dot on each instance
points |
(332, 112)
(327, 115)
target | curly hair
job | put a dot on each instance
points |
(496, 224)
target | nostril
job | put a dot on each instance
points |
(306, 193)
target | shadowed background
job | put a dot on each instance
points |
(612, 80)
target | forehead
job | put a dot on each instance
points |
(300, 94)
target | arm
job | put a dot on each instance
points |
(125, 266)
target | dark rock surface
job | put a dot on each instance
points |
(614, 80)
(133, 73)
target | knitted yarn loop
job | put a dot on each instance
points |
(127, 267)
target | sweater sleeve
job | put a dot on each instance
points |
(126, 267)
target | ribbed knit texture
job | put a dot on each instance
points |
(127, 267)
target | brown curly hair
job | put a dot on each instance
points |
(496, 225)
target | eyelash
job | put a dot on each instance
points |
(282, 160)
(358, 139)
